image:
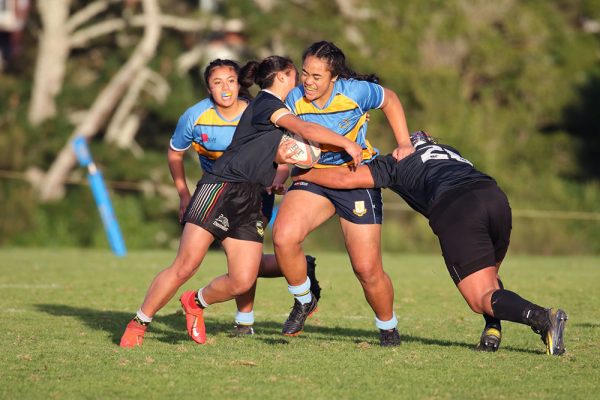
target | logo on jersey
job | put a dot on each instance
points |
(221, 222)
(359, 208)
(260, 229)
(344, 124)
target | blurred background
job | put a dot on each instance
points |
(514, 85)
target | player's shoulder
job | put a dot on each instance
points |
(200, 107)
(345, 85)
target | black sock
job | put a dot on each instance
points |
(139, 321)
(510, 306)
(492, 322)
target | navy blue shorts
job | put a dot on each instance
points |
(359, 206)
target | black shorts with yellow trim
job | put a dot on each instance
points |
(359, 206)
(228, 209)
(473, 225)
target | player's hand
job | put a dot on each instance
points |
(284, 154)
(355, 151)
(278, 188)
(402, 151)
(184, 200)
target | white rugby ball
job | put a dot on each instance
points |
(304, 152)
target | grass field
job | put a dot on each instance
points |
(62, 313)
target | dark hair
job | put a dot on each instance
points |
(244, 92)
(336, 61)
(263, 73)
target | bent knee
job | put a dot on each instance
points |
(239, 287)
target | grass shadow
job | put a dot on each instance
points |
(269, 332)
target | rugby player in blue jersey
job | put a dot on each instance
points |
(336, 97)
(472, 219)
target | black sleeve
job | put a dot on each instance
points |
(383, 170)
(263, 110)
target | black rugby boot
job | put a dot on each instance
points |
(389, 337)
(553, 335)
(294, 325)
(311, 266)
(490, 339)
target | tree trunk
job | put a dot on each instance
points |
(105, 103)
(51, 59)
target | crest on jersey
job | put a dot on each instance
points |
(260, 229)
(359, 208)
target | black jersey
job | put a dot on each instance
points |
(251, 155)
(423, 177)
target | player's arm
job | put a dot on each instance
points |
(177, 169)
(278, 186)
(394, 112)
(339, 177)
(317, 133)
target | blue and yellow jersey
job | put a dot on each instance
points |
(202, 127)
(344, 113)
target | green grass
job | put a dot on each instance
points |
(62, 313)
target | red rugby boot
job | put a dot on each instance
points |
(193, 317)
(133, 335)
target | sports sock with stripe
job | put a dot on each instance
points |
(492, 322)
(301, 292)
(244, 318)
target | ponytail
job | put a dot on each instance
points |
(263, 73)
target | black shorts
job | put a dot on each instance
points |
(359, 206)
(473, 226)
(268, 203)
(228, 209)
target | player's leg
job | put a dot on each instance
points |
(193, 246)
(300, 212)
(243, 258)
(363, 243)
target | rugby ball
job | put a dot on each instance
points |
(304, 152)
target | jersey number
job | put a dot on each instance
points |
(438, 153)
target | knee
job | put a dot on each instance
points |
(481, 303)
(183, 271)
(286, 236)
(369, 274)
(240, 286)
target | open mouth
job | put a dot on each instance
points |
(226, 95)
(310, 89)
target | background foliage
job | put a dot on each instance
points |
(514, 85)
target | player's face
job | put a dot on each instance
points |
(223, 86)
(291, 81)
(317, 80)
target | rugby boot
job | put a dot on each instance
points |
(389, 337)
(311, 266)
(193, 317)
(490, 339)
(294, 325)
(242, 330)
(552, 336)
(133, 335)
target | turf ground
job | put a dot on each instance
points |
(62, 313)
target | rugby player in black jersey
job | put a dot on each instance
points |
(471, 217)
(227, 202)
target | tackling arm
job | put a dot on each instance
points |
(339, 177)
